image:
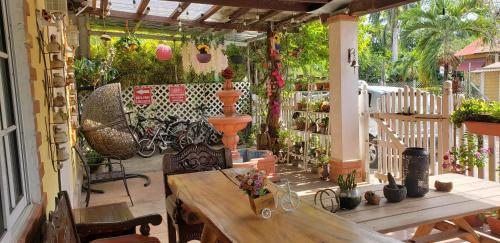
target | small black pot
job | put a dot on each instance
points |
(236, 59)
(395, 195)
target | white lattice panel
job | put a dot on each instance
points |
(197, 94)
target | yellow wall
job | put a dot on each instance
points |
(491, 83)
(49, 176)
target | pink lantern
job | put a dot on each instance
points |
(163, 52)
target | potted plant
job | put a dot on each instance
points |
(234, 54)
(319, 86)
(203, 56)
(316, 106)
(494, 223)
(349, 196)
(323, 125)
(252, 183)
(323, 164)
(313, 126)
(324, 106)
(302, 104)
(300, 123)
(480, 117)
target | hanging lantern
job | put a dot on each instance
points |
(163, 52)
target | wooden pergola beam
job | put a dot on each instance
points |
(362, 7)
(104, 6)
(187, 23)
(261, 4)
(142, 7)
(238, 13)
(265, 16)
(211, 11)
(142, 36)
(178, 11)
(295, 17)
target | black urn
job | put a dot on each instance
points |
(416, 171)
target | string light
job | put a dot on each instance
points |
(134, 3)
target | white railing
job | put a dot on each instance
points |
(413, 118)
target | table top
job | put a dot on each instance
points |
(216, 196)
(470, 195)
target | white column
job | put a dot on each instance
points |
(344, 120)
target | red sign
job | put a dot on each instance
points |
(177, 93)
(143, 95)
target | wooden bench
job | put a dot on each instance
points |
(61, 227)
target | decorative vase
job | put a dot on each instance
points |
(228, 84)
(349, 199)
(494, 224)
(262, 202)
(416, 171)
(236, 59)
(203, 57)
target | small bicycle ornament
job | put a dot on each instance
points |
(287, 200)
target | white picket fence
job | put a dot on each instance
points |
(413, 118)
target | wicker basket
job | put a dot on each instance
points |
(262, 202)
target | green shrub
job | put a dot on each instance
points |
(476, 110)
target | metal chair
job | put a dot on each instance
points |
(193, 158)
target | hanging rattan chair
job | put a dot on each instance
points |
(104, 123)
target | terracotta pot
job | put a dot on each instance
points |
(262, 202)
(326, 86)
(319, 86)
(298, 87)
(474, 220)
(265, 65)
(494, 224)
(325, 108)
(301, 106)
(483, 128)
(203, 57)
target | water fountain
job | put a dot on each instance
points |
(230, 123)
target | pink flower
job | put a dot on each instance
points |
(478, 155)
(445, 165)
(446, 157)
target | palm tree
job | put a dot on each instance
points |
(440, 27)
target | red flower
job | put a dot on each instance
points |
(446, 157)
(227, 73)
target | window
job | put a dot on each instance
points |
(13, 195)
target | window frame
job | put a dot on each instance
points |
(16, 47)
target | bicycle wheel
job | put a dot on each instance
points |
(146, 148)
(289, 202)
(198, 133)
(177, 127)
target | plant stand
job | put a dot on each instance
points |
(483, 128)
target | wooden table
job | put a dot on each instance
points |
(229, 218)
(439, 210)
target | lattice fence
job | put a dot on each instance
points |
(197, 94)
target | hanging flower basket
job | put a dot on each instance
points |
(483, 128)
(203, 57)
(236, 59)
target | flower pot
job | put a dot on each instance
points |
(301, 106)
(322, 129)
(298, 87)
(474, 220)
(349, 199)
(325, 107)
(326, 86)
(301, 126)
(203, 57)
(494, 224)
(265, 65)
(395, 195)
(259, 203)
(236, 59)
(483, 128)
(319, 86)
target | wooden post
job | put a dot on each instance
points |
(447, 137)
(274, 101)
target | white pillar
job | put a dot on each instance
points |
(344, 120)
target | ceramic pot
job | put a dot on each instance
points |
(395, 195)
(349, 199)
(494, 224)
(203, 57)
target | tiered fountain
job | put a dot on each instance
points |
(230, 123)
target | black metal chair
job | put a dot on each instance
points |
(100, 177)
(193, 158)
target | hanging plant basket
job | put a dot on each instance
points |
(236, 59)
(203, 57)
(483, 128)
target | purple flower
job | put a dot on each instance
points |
(478, 155)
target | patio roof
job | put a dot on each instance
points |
(238, 20)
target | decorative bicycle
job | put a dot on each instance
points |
(287, 200)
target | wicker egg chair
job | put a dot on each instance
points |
(104, 123)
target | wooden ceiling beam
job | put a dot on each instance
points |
(142, 6)
(238, 13)
(103, 7)
(211, 11)
(265, 16)
(362, 7)
(185, 23)
(308, 1)
(178, 11)
(261, 4)
(287, 21)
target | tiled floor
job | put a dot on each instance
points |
(150, 199)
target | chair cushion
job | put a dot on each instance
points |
(187, 215)
(128, 239)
